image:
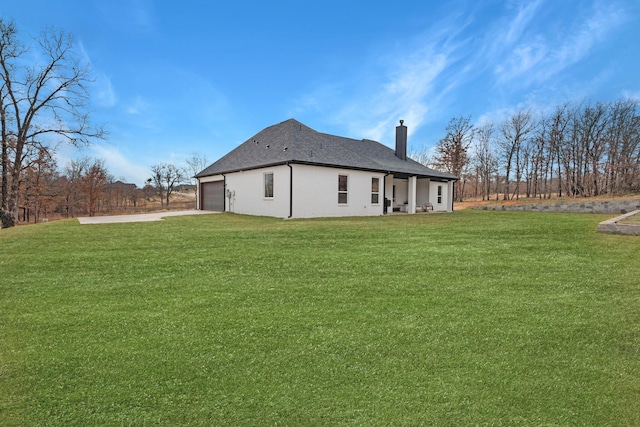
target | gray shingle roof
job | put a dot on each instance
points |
(293, 142)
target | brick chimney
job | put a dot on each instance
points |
(401, 141)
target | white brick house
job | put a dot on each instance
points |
(289, 170)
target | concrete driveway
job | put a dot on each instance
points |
(156, 216)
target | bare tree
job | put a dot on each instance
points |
(4, 140)
(196, 163)
(452, 150)
(40, 101)
(422, 155)
(38, 185)
(73, 173)
(93, 184)
(593, 123)
(578, 150)
(166, 177)
(558, 124)
(539, 160)
(623, 156)
(485, 158)
(515, 131)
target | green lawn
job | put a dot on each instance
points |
(472, 318)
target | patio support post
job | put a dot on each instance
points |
(411, 190)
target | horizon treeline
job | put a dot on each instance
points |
(575, 149)
(83, 187)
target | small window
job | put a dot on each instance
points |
(268, 185)
(439, 194)
(375, 191)
(342, 189)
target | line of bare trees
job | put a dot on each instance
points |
(44, 102)
(576, 150)
(84, 187)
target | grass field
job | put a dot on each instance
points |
(472, 318)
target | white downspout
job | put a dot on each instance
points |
(450, 185)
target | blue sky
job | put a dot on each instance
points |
(175, 78)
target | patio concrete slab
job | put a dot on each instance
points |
(155, 216)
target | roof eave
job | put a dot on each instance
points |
(328, 165)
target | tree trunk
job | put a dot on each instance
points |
(5, 159)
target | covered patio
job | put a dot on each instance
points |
(413, 194)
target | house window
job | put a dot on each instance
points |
(268, 185)
(342, 189)
(439, 194)
(375, 191)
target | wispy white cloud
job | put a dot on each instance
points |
(408, 84)
(143, 114)
(501, 37)
(104, 92)
(141, 14)
(510, 45)
(533, 56)
(119, 165)
(604, 18)
(410, 81)
(317, 100)
(518, 25)
(524, 58)
(405, 93)
(631, 95)
(136, 16)
(207, 101)
(137, 106)
(497, 116)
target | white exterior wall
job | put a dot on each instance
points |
(388, 190)
(211, 178)
(422, 195)
(247, 188)
(315, 192)
(402, 187)
(445, 204)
